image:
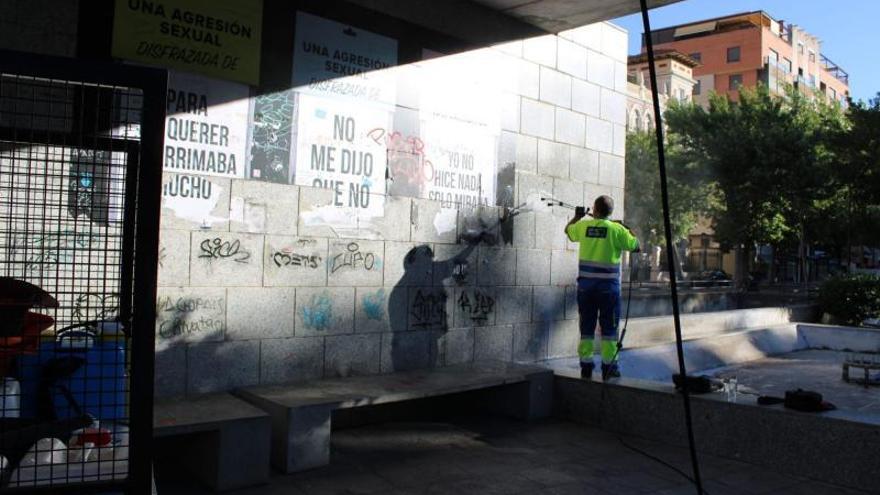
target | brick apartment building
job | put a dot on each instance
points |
(748, 48)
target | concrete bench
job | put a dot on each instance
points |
(229, 444)
(301, 413)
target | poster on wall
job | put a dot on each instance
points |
(460, 125)
(334, 151)
(271, 137)
(205, 126)
(219, 38)
(336, 60)
(462, 157)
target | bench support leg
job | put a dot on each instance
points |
(529, 400)
(303, 440)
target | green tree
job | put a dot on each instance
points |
(770, 161)
(856, 206)
(690, 193)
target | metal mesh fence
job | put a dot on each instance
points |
(67, 155)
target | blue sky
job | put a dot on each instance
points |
(849, 29)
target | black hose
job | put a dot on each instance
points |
(670, 259)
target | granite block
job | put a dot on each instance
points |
(351, 355)
(555, 87)
(532, 267)
(496, 266)
(295, 261)
(355, 262)
(493, 343)
(324, 311)
(537, 118)
(189, 314)
(549, 304)
(173, 258)
(226, 259)
(263, 207)
(259, 313)
(373, 312)
(514, 305)
(291, 360)
(238, 363)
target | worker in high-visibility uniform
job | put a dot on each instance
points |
(598, 293)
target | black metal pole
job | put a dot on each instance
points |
(670, 258)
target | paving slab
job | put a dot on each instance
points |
(492, 455)
(818, 370)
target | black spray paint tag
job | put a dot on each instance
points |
(597, 232)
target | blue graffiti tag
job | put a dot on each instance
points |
(374, 304)
(318, 313)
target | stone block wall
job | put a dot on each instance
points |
(257, 291)
(262, 280)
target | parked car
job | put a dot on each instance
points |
(710, 278)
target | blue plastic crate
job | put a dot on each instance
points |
(99, 387)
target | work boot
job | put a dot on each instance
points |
(587, 370)
(610, 371)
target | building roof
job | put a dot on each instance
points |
(664, 54)
(717, 19)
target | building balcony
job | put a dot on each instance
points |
(835, 70)
(775, 75)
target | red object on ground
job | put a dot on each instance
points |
(99, 437)
(27, 342)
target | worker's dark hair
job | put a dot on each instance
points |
(603, 206)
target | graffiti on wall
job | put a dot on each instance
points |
(272, 137)
(218, 248)
(476, 305)
(42, 251)
(428, 309)
(95, 306)
(374, 304)
(189, 316)
(352, 257)
(317, 314)
(409, 169)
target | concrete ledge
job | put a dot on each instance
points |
(837, 447)
(644, 332)
(302, 413)
(659, 362)
(226, 443)
(858, 339)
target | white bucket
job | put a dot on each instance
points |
(10, 398)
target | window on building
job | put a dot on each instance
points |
(736, 81)
(812, 56)
(786, 65)
(681, 95)
(733, 54)
(833, 93)
(773, 57)
(812, 80)
(698, 87)
(800, 48)
(636, 121)
(697, 56)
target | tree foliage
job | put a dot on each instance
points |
(770, 158)
(857, 175)
(689, 192)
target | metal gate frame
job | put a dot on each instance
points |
(143, 189)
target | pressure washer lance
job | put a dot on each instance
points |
(586, 211)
